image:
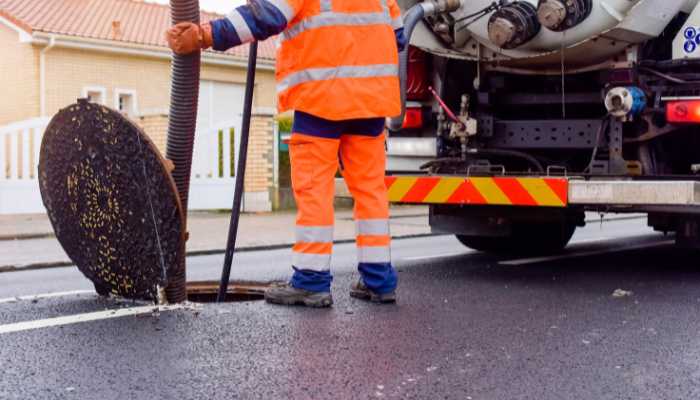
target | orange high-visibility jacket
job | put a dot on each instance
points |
(337, 59)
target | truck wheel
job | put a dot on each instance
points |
(525, 239)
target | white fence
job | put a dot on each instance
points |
(19, 160)
(213, 167)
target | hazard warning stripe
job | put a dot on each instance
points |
(505, 191)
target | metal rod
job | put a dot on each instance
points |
(240, 172)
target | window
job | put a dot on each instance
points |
(125, 101)
(95, 94)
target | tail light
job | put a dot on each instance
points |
(414, 118)
(418, 80)
(683, 112)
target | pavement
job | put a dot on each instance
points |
(21, 236)
(612, 317)
(28, 241)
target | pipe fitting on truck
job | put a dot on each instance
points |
(513, 25)
(560, 15)
(625, 102)
(412, 17)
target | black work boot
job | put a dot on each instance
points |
(358, 290)
(290, 296)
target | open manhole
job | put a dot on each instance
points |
(208, 291)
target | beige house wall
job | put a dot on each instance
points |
(19, 75)
(68, 72)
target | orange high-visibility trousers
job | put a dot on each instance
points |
(315, 161)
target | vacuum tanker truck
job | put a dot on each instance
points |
(522, 115)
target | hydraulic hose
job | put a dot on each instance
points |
(412, 17)
(184, 96)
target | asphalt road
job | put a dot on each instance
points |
(467, 326)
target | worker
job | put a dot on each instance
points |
(337, 69)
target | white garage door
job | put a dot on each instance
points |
(216, 145)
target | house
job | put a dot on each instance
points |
(114, 53)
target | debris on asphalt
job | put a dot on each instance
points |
(620, 293)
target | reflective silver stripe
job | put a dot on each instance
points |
(326, 5)
(314, 234)
(336, 19)
(322, 74)
(374, 227)
(397, 23)
(284, 8)
(381, 254)
(242, 28)
(385, 7)
(314, 262)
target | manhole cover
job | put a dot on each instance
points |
(112, 203)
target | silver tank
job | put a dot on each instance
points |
(607, 34)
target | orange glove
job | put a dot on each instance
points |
(186, 37)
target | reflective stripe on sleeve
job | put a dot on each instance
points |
(322, 74)
(314, 262)
(337, 19)
(397, 23)
(326, 5)
(284, 8)
(372, 227)
(314, 234)
(374, 254)
(242, 28)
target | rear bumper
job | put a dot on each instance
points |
(542, 192)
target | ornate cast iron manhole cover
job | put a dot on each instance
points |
(111, 200)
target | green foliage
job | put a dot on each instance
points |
(285, 123)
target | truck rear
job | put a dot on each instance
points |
(523, 115)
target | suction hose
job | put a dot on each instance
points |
(412, 17)
(184, 96)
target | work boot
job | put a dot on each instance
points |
(360, 291)
(289, 295)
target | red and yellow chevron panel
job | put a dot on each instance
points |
(504, 191)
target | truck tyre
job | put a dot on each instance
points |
(525, 239)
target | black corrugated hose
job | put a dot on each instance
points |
(184, 97)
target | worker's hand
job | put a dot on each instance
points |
(186, 37)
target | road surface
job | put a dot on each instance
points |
(467, 326)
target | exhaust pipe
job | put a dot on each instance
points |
(412, 17)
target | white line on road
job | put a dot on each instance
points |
(79, 318)
(591, 240)
(537, 260)
(45, 296)
(421, 258)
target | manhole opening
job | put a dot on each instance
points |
(208, 292)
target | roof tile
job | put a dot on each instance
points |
(139, 22)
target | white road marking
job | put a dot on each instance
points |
(536, 260)
(591, 240)
(79, 318)
(45, 296)
(421, 258)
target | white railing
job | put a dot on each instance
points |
(213, 166)
(20, 143)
